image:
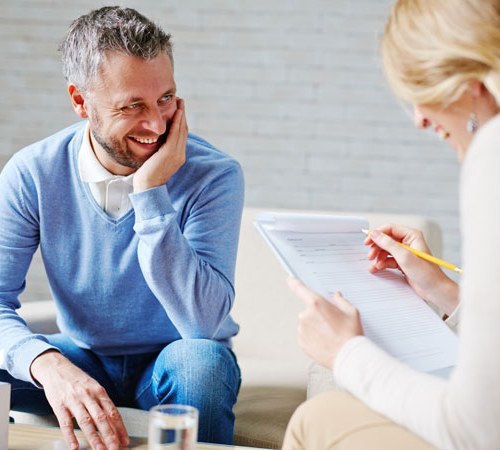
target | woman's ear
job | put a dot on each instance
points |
(77, 101)
(477, 88)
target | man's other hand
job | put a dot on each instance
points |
(73, 394)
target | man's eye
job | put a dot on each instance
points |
(132, 108)
(165, 99)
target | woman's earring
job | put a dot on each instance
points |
(472, 123)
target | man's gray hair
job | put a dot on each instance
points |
(109, 29)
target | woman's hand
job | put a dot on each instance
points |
(426, 278)
(324, 326)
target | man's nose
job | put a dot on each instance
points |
(419, 120)
(155, 121)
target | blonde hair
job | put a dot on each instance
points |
(431, 49)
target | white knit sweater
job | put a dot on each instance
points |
(464, 411)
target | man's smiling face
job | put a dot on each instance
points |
(130, 107)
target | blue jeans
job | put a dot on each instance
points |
(197, 372)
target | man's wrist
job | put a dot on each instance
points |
(51, 357)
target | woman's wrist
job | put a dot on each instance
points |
(445, 295)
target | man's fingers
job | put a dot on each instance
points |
(102, 422)
(115, 420)
(180, 103)
(181, 131)
(99, 421)
(88, 427)
(184, 127)
(183, 122)
(173, 133)
(65, 420)
(177, 135)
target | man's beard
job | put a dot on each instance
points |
(120, 152)
(113, 148)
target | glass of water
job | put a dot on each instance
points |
(173, 427)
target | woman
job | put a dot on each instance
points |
(442, 56)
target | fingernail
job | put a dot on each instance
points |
(112, 444)
(375, 233)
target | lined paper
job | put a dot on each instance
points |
(328, 255)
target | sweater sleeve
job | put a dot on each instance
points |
(462, 412)
(191, 271)
(18, 242)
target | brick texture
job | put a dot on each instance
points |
(292, 88)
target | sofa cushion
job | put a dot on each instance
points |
(262, 414)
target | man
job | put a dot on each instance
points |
(138, 224)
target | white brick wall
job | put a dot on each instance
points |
(292, 88)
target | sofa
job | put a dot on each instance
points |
(275, 372)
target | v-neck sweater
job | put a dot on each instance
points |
(161, 272)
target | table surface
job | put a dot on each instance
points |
(30, 437)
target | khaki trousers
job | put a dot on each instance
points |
(335, 420)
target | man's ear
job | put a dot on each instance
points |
(77, 101)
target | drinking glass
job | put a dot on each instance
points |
(173, 427)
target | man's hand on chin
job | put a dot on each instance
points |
(73, 394)
(169, 158)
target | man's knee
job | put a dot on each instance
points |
(198, 358)
(201, 373)
(197, 363)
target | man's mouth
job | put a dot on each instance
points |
(159, 140)
(145, 140)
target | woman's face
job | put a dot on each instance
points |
(450, 122)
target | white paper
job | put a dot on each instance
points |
(328, 255)
(4, 414)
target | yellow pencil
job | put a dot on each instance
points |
(426, 256)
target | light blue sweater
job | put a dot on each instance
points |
(161, 272)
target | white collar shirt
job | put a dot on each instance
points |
(111, 192)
